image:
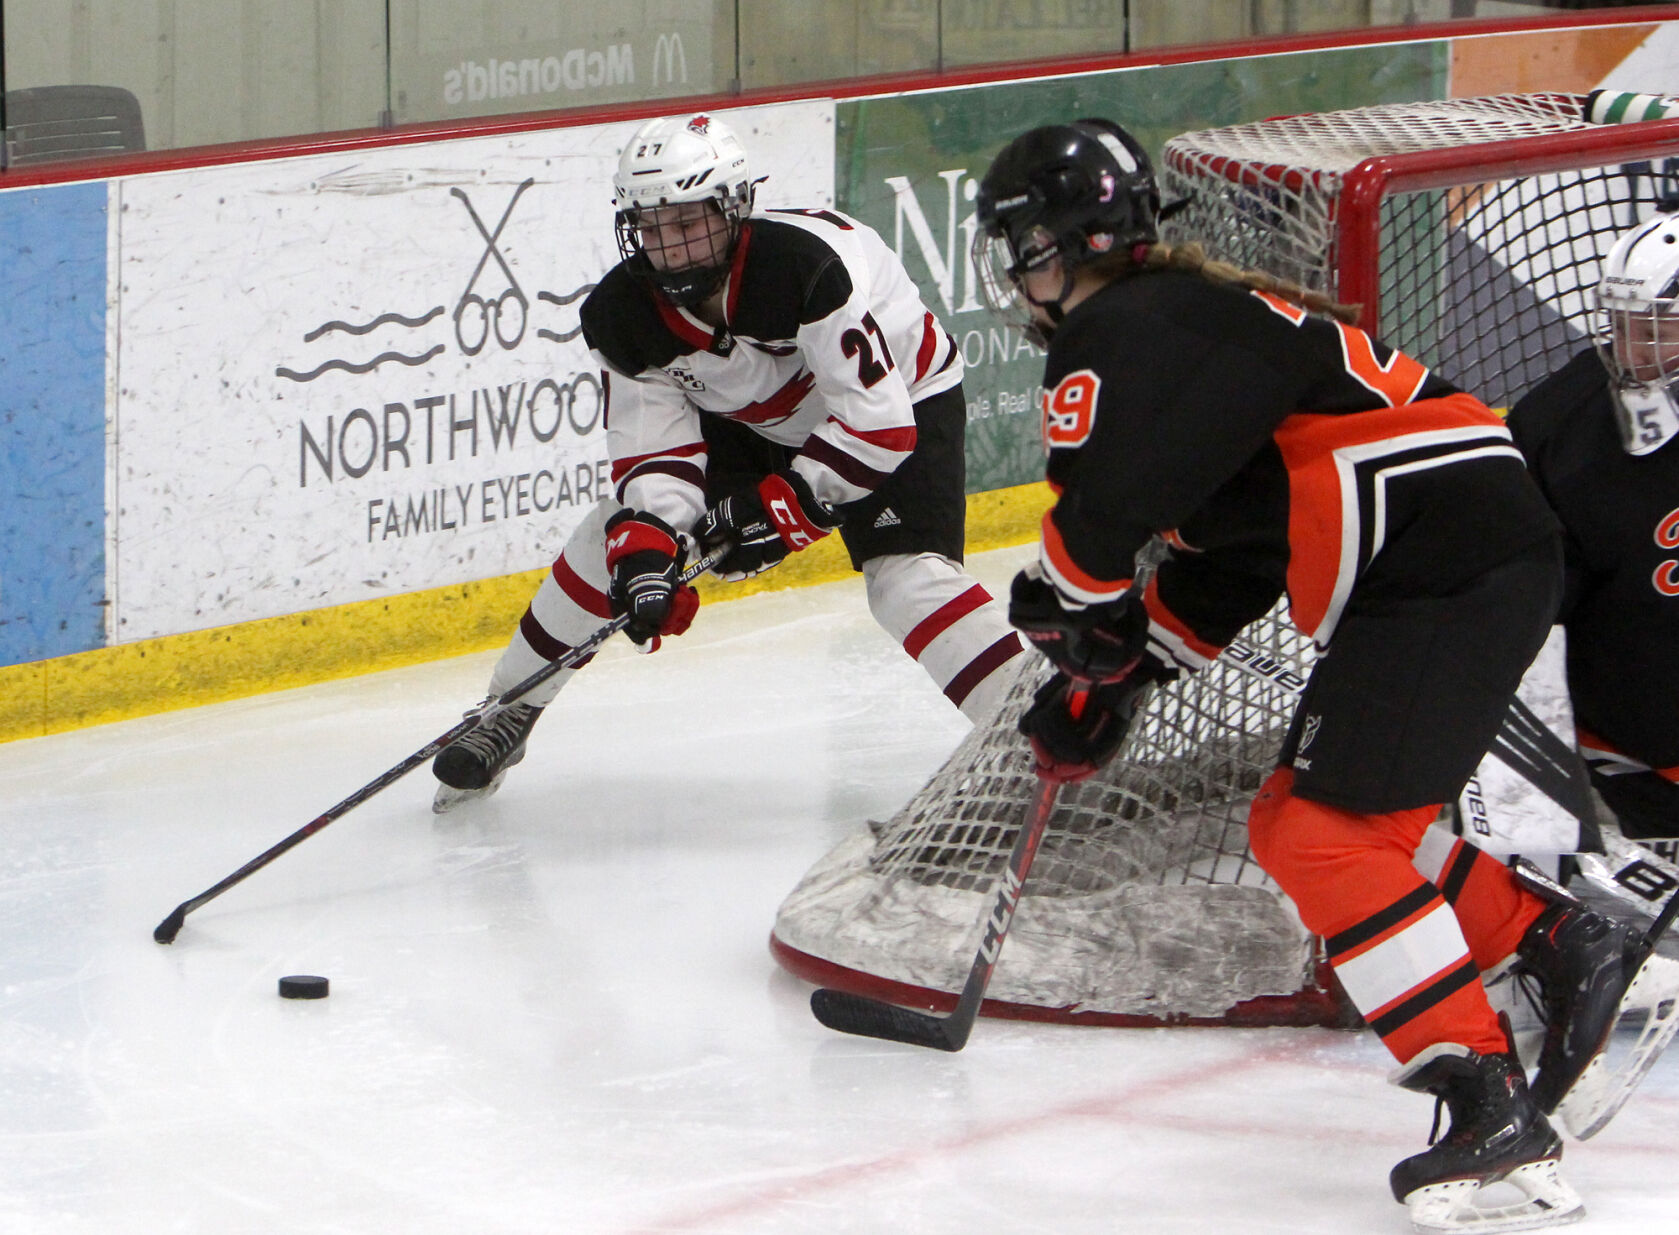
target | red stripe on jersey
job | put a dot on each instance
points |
(848, 468)
(1161, 615)
(577, 590)
(742, 243)
(982, 667)
(630, 463)
(683, 326)
(901, 439)
(1056, 551)
(780, 405)
(1308, 442)
(929, 346)
(943, 618)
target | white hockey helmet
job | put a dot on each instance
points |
(1638, 332)
(669, 164)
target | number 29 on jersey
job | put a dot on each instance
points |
(1070, 410)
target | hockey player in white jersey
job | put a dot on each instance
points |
(771, 377)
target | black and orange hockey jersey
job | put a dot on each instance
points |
(1274, 450)
(1620, 516)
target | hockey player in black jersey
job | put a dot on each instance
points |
(1599, 438)
(1272, 448)
(771, 377)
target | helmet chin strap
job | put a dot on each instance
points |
(1038, 333)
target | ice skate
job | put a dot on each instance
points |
(1592, 972)
(1497, 1135)
(474, 765)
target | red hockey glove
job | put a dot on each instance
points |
(1100, 643)
(764, 525)
(1075, 730)
(645, 558)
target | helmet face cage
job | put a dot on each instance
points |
(1637, 333)
(1000, 268)
(683, 191)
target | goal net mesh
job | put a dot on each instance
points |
(1145, 905)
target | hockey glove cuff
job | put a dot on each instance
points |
(1099, 643)
(1074, 731)
(644, 559)
(763, 526)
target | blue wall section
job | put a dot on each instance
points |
(52, 421)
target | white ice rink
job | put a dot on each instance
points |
(555, 1011)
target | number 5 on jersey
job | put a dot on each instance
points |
(1070, 410)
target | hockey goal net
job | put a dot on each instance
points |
(1469, 231)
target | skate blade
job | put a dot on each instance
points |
(448, 797)
(1606, 1084)
(1547, 1200)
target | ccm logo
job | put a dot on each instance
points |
(787, 523)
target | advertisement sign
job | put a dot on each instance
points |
(350, 376)
(911, 168)
(52, 421)
(537, 55)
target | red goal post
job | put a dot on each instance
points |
(1470, 232)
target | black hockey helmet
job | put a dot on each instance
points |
(1073, 191)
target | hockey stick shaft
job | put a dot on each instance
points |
(170, 927)
(873, 1018)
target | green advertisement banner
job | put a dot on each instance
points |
(909, 166)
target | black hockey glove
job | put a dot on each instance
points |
(1069, 747)
(764, 525)
(1100, 643)
(645, 559)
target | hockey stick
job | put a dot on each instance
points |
(171, 926)
(874, 1018)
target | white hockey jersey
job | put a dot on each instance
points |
(826, 346)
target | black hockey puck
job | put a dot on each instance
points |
(303, 986)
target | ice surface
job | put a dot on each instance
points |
(555, 1011)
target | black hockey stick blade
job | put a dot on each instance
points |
(166, 930)
(170, 927)
(874, 1018)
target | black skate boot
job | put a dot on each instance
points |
(1497, 1134)
(1591, 970)
(473, 765)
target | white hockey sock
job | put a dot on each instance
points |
(948, 622)
(569, 606)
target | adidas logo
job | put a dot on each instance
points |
(888, 518)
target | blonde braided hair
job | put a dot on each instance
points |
(1192, 257)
